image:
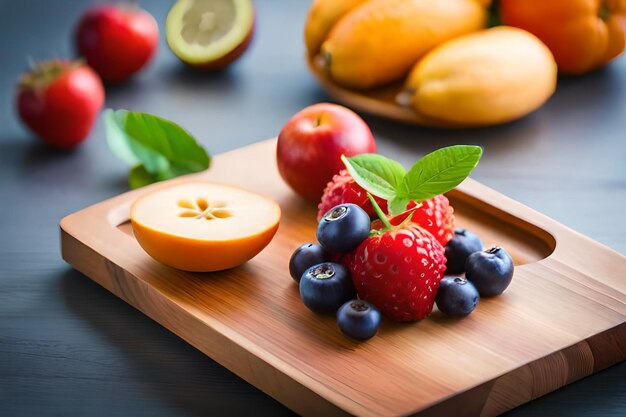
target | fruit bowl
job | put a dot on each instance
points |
(379, 102)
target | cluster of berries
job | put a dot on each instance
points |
(326, 287)
(395, 266)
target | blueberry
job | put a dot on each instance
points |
(491, 271)
(358, 319)
(304, 257)
(459, 248)
(343, 228)
(456, 297)
(325, 287)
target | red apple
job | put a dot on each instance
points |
(310, 146)
(117, 40)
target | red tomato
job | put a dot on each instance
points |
(59, 101)
(117, 40)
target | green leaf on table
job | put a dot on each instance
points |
(117, 140)
(168, 139)
(139, 176)
(439, 172)
(155, 148)
(377, 174)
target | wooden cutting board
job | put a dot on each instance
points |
(562, 318)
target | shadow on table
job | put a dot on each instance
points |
(185, 76)
(30, 151)
(170, 370)
(54, 170)
(35, 162)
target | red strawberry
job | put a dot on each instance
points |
(343, 189)
(436, 214)
(399, 271)
(59, 101)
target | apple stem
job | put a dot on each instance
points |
(379, 212)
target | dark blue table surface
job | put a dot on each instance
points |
(69, 348)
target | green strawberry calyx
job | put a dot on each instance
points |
(434, 174)
(386, 220)
(383, 218)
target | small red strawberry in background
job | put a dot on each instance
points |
(117, 40)
(59, 100)
(436, 215)
(399, 266)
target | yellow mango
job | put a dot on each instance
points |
(321, 18)
(380, 41)
(489, 77)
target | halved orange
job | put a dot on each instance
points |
(209, 33)
(202, 226)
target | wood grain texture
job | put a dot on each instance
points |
(562, 318)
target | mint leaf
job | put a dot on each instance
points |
(439, 172)
(377, 174)
(397, 205)
(434, 174)
(118, 143)
(138, 177)
(168, 139)
(155, 148)
(152, 160)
